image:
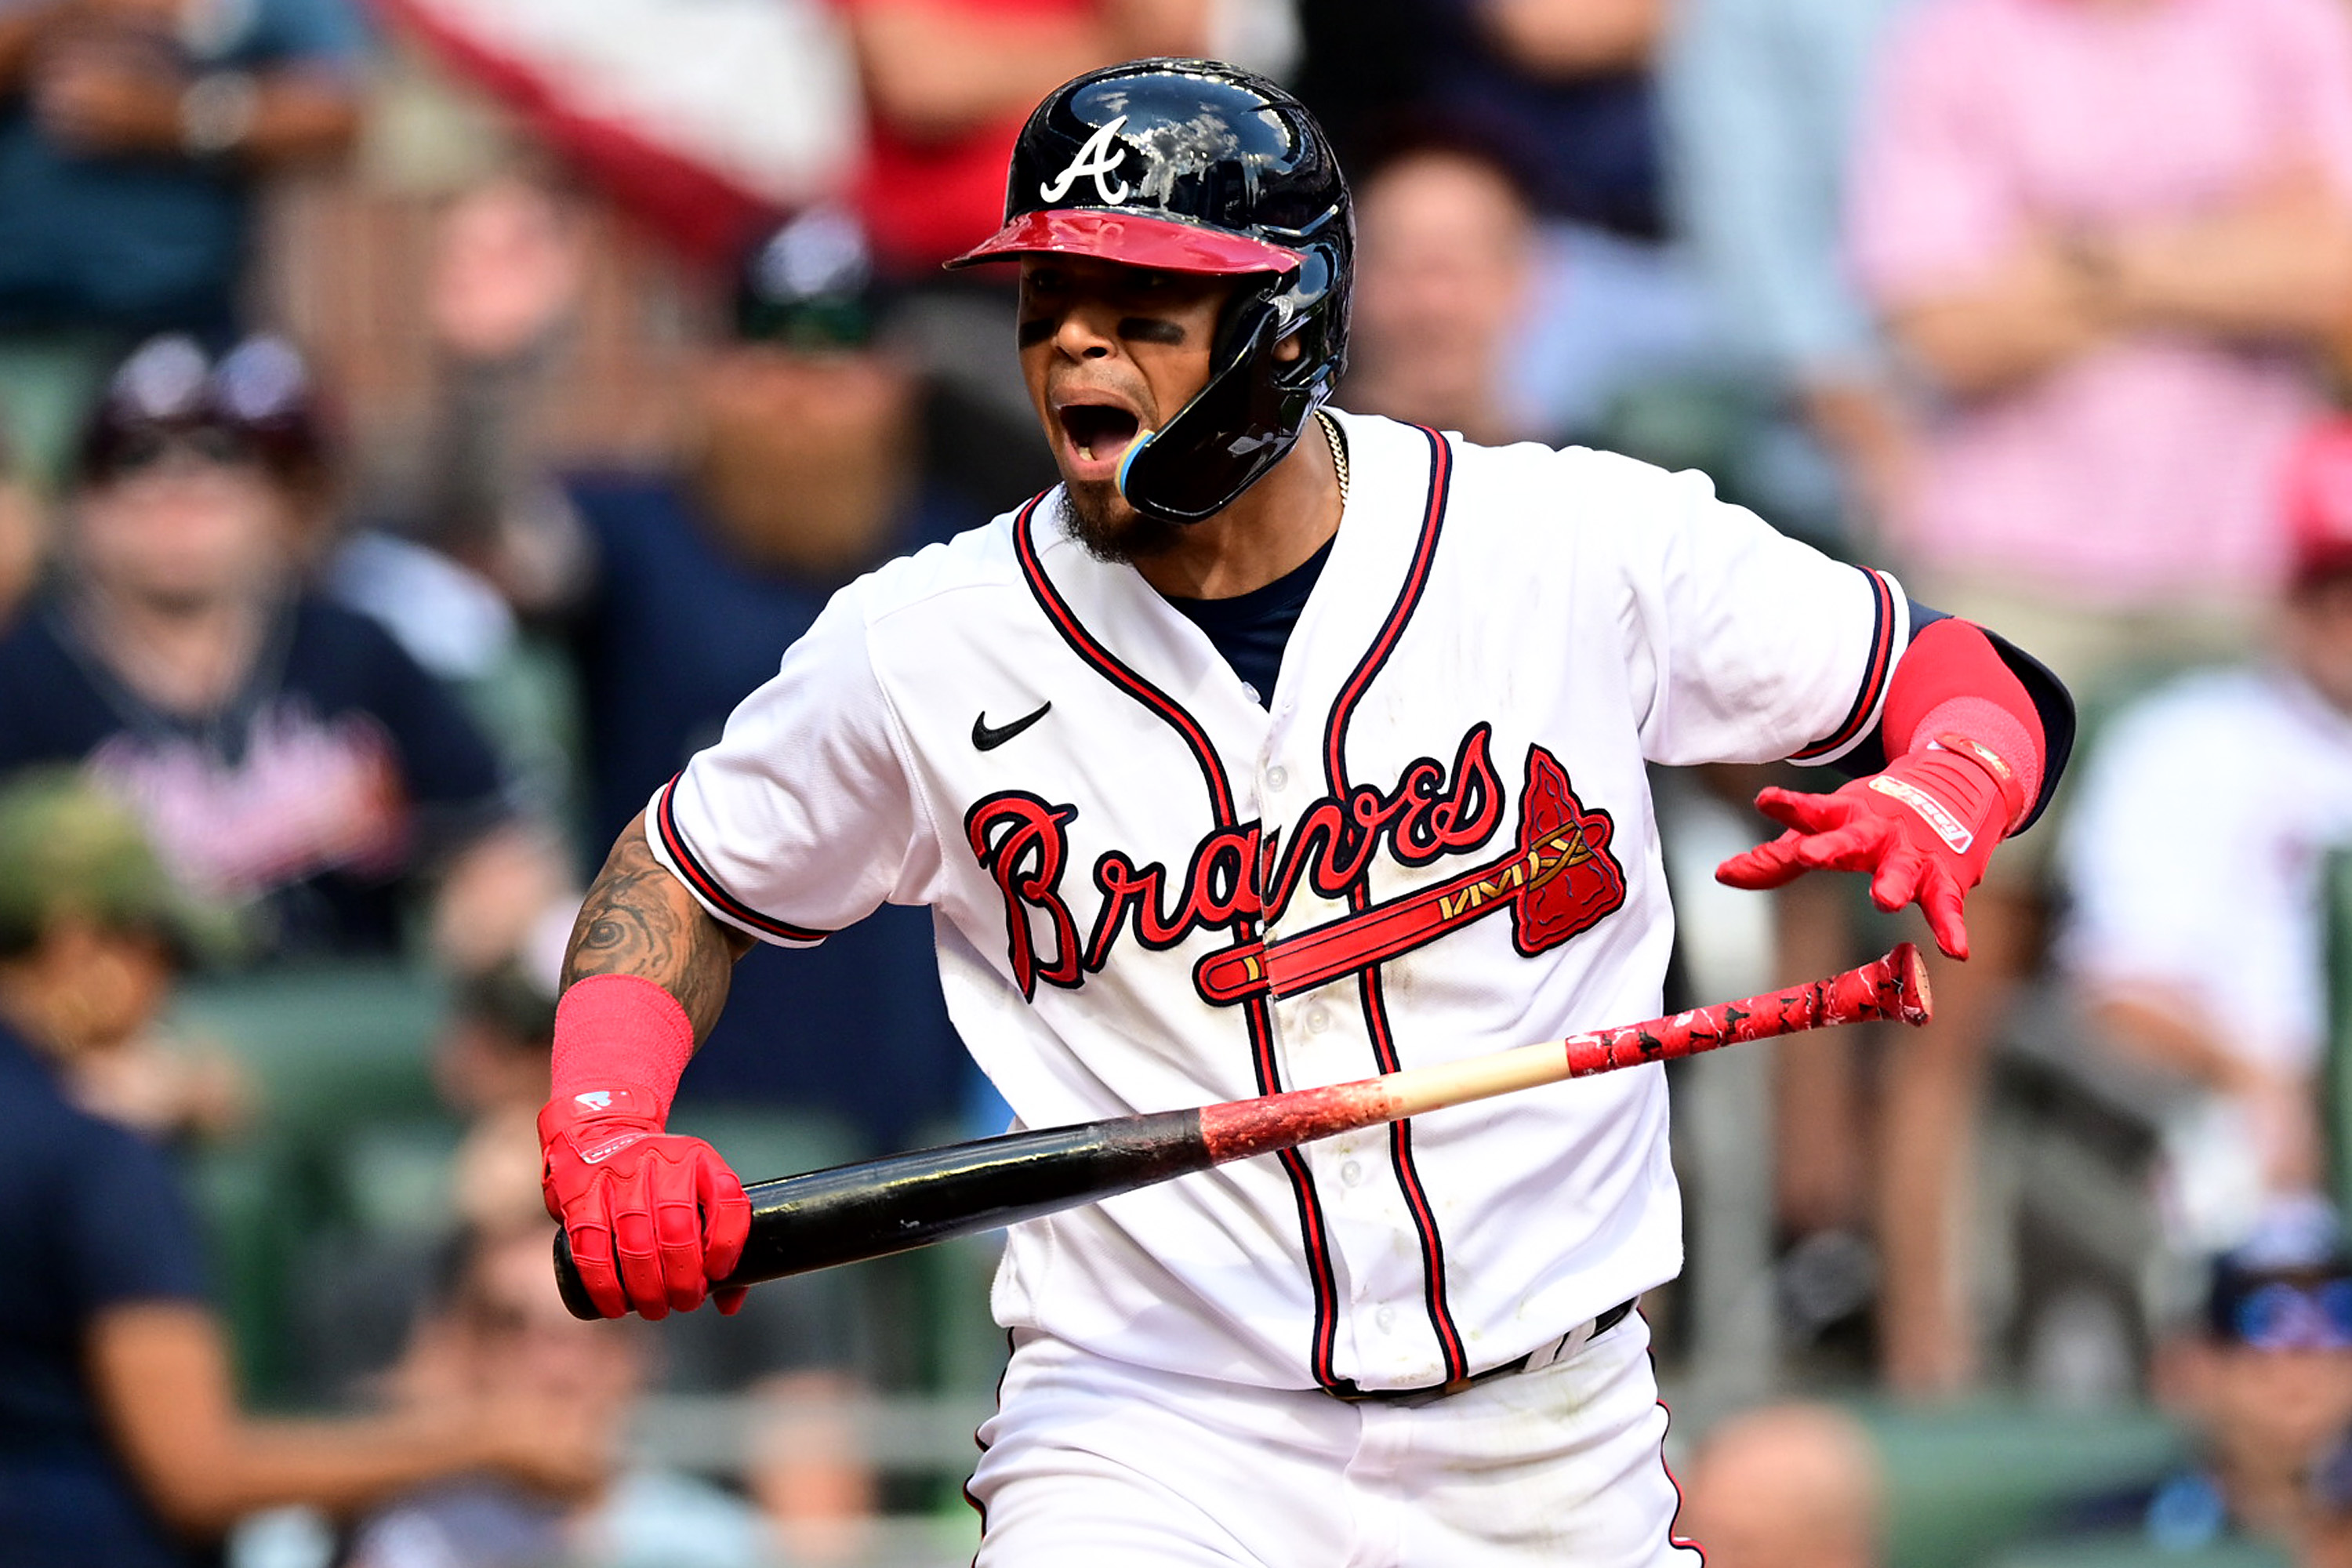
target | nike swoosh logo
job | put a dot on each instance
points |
(988, 739)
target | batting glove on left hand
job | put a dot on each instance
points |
(1923, 828)
(653, 1217)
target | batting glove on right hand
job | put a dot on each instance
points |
(653, 1217)
(1923, 828)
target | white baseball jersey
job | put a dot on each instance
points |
(1434, 841)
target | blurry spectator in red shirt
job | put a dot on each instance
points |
(2109, 233)
(947, 85)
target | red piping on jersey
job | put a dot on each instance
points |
(1674, 1541)
(1360, 894)
(1874, 673)
(970, 1500)
(1319, 1271)
(698, 876)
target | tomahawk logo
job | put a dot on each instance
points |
(1099, 157)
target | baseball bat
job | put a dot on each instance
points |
(874, 1208)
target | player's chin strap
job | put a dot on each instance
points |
(1235, 428)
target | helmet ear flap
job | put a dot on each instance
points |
(1217, 446)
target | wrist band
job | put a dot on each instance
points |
(2012, 793)
(614, 1030)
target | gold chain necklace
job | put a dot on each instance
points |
(1338, 445)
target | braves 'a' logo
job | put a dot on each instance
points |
(1099, 157)
(1556, 879)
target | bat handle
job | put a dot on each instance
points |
(568, 1283)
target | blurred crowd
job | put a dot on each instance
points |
(422, 420)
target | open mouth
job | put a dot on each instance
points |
(1099, 432)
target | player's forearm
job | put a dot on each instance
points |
(640, 920)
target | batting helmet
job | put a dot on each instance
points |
(1199, 167)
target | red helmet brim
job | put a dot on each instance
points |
(1133, 239)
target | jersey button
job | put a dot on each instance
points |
(1278, 777)
(1352, 1173)
(1386, 1319)
(1318, 1020)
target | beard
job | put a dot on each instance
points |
(1111, 530)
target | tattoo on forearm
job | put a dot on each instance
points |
(640, 920)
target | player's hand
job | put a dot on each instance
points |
(653, 1217)
(1923, 829)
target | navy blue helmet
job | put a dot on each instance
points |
(1199, 167)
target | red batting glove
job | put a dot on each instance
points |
(1923, 828)
(653, 1217)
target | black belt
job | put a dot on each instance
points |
(1347, 1391)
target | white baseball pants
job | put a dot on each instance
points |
(1091, 1462)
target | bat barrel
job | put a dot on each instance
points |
(876, 1208)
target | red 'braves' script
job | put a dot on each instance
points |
(1238, 878)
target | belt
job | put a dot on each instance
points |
(1567, 1344)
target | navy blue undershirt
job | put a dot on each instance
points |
(1252, 629)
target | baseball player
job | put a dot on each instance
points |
(1258, 673)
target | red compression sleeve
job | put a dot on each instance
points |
(621, 1029)
(1953, 682)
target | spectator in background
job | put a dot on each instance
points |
(784, 1350)
(2262, 1382)
(1445, 278)
(2197, 928)
(1760, 100)
(946, 85)
(121, 1442)
(805, 466)
(1568, 82)
(1787, 1486)
(285, 753)
(808, 469)
(134, 135)
(500, 1334)
(2109, 233)
(458, 541)
(1564, 88)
